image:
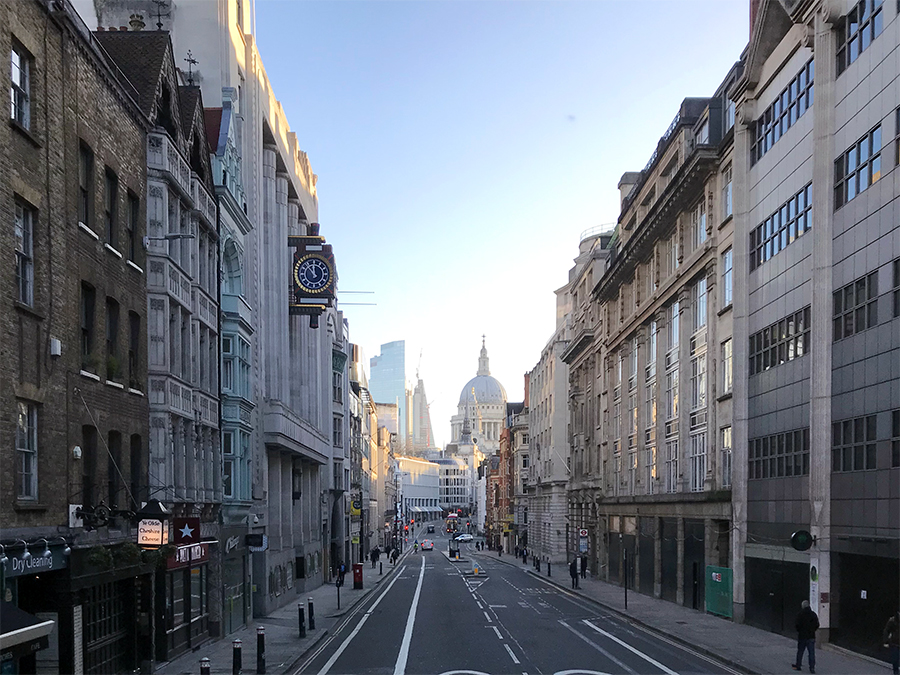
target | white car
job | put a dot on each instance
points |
(464, 537)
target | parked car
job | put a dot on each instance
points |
(427, 545)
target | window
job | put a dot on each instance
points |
(113, 471)
(672, 261)
(337, 386)
(862, 24)
(228, 452)
(726, 457)
(132, 227)
(698, 225)
(727, 200)
(240, 14)
(789, 222)
(698, 382)
(779, 455)
(895, 438)
(698, 461)
(650, 467)
(897, 288)
(20, 89)
(702, 135)
(727, 367)
(856, 306)
(729, 114)
(113, 369)
(784, 112)
(673, 325)
(632, 471)
(88, 295)
(26, 450)
(672, 466)
(858, 168)
(650, 368)
(853, 444)
(134, 350)
(110, 204)
(337, 432)
(85, 184)
(727, 278)
(672, 394)
(781, 342)
(698, 301)
(24, 227)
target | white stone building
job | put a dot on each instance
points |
(483, 402)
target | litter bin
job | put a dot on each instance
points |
(357, 576)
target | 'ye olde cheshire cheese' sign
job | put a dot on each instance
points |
(152, 533)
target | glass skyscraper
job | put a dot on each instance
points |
(387, 382)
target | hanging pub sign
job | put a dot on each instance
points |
(313, 275)
(152, 533)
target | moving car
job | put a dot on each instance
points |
(464, 537)
(431, 529)
(427, 545)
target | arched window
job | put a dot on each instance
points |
(232, 283)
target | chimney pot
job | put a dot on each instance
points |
(123, 28)
(113, 29)
(100, 29)
(137, 22)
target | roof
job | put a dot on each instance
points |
(190, 96)
(139, 55)
(212, 118)
(487, 391)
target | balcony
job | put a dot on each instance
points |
(208, 408)
(282, 428)
(163, 156)
(204, 203)
(205, 309)
(237, 308)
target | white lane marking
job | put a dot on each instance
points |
(480, 606)
(346, 642)
(487, 616)
(627, 646)
(579, 672)
(600, 649)
(497, 631)
(400, 666)
(497, 606)
(511, 655)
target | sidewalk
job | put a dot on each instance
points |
(284, 647)
(745, 648)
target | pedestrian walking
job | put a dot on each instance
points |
(573, 572)
(516, 550)
(524, 556)
(891, 639)
(584, 567)
(373, 556)
(807, 624)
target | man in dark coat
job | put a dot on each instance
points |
(584, 567)
(807, 624)
(891, 639)
(573, 572)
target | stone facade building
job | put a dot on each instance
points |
(652, 371)
(76, 425)
(817, 259)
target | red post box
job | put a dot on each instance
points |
(357, 576)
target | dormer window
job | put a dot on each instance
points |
(702, 135)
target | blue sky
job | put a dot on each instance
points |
(462, 147)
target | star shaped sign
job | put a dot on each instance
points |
(187, 532)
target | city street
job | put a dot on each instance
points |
(436, 616)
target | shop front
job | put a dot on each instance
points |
(235, 580)
(183, 601)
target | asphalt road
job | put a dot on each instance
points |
(434, 616)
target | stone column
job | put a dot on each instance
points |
(679, 572)
(685, 329)
(281, 257)
(271, 283)
(657, 556)
(824, 47)
(713, 354)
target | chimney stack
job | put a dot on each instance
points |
(137, 22)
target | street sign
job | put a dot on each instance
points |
(582, 533)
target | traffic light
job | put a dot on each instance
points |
(467, 523)
(406, 528)
(412, 521)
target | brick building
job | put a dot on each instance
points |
(74, 345)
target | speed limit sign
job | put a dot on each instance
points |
(582, 532)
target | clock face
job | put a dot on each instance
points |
(312, 273)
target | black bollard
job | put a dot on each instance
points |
(337, 585)
(260, 650)
(302, 619)
(236, 668)
(204, 666)
(548, 568)
(312, 614)
(381, 568)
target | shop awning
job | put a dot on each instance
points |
(20, 632)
